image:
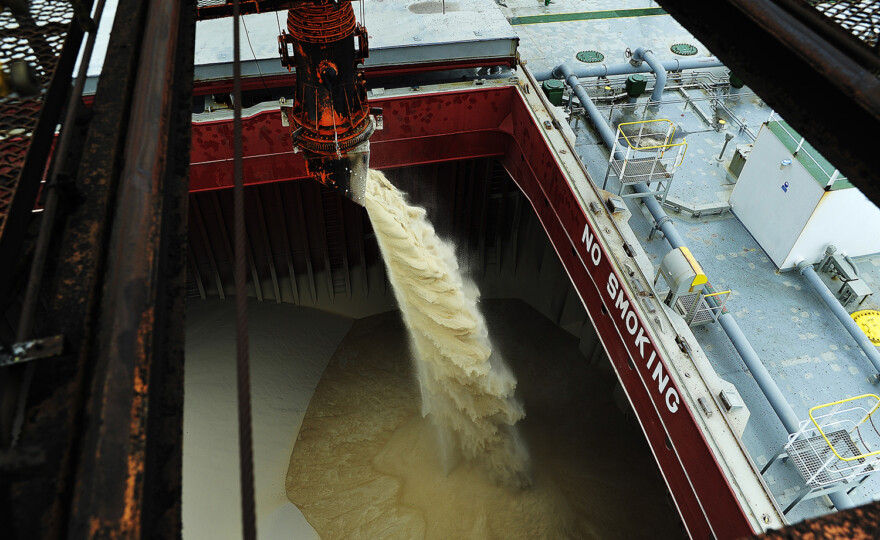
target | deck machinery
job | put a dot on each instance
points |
(330, 120)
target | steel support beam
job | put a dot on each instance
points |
(103, 424)
(129, 469)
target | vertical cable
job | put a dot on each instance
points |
(245, 440)
(256, 62)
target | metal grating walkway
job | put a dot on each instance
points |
(810, 455)
(686, 306)
(640, 170)
(861, 19)
(35, 36)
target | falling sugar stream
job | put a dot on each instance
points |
(467, 391)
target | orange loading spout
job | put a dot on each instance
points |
(330, 120)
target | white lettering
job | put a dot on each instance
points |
(621, 303)
(612, 285)
(631, 318)
(592, 247)
(631, 322)
(670, 394)
(661, 378)
(641, 340)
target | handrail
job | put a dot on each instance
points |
(669, 136)
(716, 293)
(684, 153)
(841, 402)
(673, 145)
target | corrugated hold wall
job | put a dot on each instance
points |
(311, 247)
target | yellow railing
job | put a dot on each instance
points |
(669, 135)
(665, 146)
(684, 153)
(716, 294)
(867, 416)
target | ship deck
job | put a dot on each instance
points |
(804, 347)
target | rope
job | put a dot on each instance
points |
(245, 440)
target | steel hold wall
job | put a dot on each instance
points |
(310, 247)
(496, 121)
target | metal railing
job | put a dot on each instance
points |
(706, 310)
(651, 163)
(839, 445)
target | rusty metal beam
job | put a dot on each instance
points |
(37, 502)
(129, 468)
(20, 178)
(107, 416)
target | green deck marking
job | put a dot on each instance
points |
(587, 16)
(820, 172)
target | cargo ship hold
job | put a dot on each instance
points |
(668, 212)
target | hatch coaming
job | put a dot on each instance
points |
(715, 486)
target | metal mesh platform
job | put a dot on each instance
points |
(861, 19)
(35, 37)
(811, 454)
(640, 170)
(688, 303)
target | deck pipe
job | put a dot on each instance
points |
(608, 136)
(642, 54)
(603, 70)
(765, 381)
(806, 269)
